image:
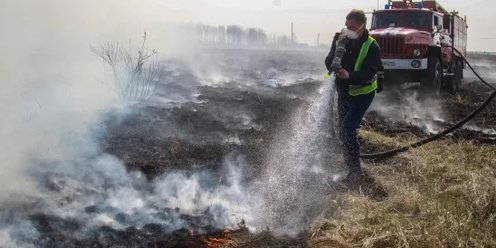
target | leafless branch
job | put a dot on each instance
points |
(135, 73)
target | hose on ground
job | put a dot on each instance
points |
(457, 125)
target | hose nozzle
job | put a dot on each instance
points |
(338, 54)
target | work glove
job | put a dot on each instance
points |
(380, 79)
(380, 87)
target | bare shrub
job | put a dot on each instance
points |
(135, 72)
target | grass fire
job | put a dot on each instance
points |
(194, 124)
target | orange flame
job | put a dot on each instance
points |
(218, 242)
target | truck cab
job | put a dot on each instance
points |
(417, 40)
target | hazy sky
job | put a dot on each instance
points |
(317, 16)
(310, 17)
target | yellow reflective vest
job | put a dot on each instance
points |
(356, 90)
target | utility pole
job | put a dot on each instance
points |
(292, 34)
(317, 42)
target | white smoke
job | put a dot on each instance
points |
(49, 95)
(408, 107)
(53, 92)
(224, 197)
(483, 66)
(120, 199)
(52, 103)
(7, 241)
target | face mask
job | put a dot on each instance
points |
(350, 34)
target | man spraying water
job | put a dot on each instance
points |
(355, 60)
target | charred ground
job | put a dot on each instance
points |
(225, 119)
(192, 123)
(242, 116)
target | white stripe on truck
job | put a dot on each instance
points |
(403, 64)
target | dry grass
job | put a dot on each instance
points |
(264, 240)
(440, 195)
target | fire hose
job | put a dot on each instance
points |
(449, 130)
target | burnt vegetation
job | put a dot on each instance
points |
(134, 71)
(438, 195)
(156, 140)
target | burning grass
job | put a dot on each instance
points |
(440, 195)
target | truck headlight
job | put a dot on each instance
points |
(417, 52)
(416, 64)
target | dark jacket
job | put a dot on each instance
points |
(370, 64)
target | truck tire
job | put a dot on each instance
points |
(432, 81)
(458, 75)
(453, 84)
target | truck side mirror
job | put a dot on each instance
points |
(447, 21)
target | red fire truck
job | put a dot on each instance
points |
(417, 40)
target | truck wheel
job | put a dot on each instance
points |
(458, 75)
(433, 79)
(453, 85)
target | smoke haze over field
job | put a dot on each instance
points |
(319, 16)
(54, 96)
(52, 87)
(45, 87)
(309, 17)
(55, 100)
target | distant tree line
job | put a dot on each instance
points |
(237, 35)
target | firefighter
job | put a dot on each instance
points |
(356, 84)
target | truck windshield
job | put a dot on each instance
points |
(411, 19)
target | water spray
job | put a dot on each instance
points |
(297, 172)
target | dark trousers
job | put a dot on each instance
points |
(351, 110)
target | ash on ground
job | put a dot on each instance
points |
(176, 168)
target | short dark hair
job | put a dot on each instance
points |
(357, 15)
